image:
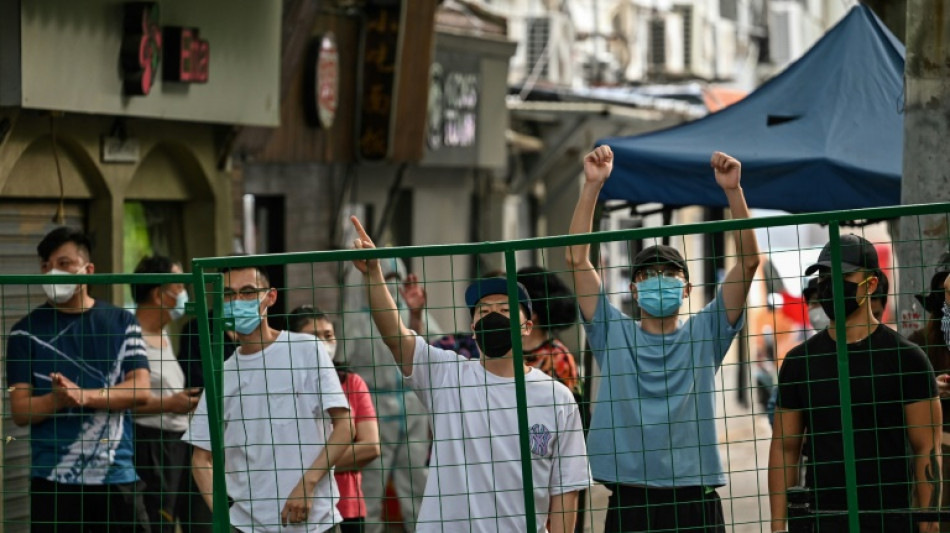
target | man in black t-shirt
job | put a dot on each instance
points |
(894, 408)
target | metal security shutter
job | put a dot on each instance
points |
(22, 225)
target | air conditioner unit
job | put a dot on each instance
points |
(665, 48)
(786, 35)
(725, 58)
(549, 47)
(699, 46)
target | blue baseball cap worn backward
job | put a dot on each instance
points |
(488, 286)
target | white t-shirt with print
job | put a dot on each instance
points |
(475, 476)
(275, 425)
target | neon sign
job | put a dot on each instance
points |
(141, 47)
(186, 56)
(145, 43)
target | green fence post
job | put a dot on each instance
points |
(844, 379)
(511, 267)
(213, 390)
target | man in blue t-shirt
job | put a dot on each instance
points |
(652, 439)
(75, 366)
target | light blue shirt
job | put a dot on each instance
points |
(654, 416)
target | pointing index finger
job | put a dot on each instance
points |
(359, 227)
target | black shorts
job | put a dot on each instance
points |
(681, 510)
(62, 508)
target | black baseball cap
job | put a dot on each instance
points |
(658, 255)
(488, 286)
(856, 254)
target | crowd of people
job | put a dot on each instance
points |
(316, 427)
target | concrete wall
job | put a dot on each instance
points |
(65, 43)
(177, 163)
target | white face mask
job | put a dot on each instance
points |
(819, 320)
(179, 310)
(331, 351)
(60, 293)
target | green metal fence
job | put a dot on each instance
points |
(444, 271)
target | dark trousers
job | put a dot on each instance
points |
(680, 510)
(61, 508)
(352, 525)
(162, 461)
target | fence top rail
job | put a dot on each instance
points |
(97, 279)
(824, 217)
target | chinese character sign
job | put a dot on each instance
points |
(380, 45)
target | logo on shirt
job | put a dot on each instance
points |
(540, 439)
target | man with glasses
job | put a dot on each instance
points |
(75, 366)
(653, 436)
(895, 411)
(286, 419)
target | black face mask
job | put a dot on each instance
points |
(493, 335)
(826, 298)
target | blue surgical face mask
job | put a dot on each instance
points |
(246, 314)
(179, 310)
(660, 296)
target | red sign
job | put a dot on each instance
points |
(141, 47)
(322, 88)
(186, 56)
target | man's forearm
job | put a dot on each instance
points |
(383, 308)
(563, 515)
(338, 443)
(33, 409)
(578, 255)
(747, 246)
(781, 476)
(927, 473)
(120, 397)
(201, 469)
(357, 456)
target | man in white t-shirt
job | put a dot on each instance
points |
(286, 420)
(475, 474)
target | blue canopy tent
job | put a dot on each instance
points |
(826, 133)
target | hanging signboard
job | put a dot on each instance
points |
(378, 62)
(322, 81)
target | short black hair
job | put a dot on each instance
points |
(153, 264)
(883, 287)
(261, 273)
(299, 317)
(551, 299)
(60, 236)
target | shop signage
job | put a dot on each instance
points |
(141, 47)
(322, 87)
(453, 105)
(381, 39)
(186, 55)
(145, 43)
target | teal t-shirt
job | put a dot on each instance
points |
(653, 419)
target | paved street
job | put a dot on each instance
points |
(744, 439)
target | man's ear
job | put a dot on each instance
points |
(633, 290)
(687, 289)
(526, 328)
(271, 297)
(92, 268)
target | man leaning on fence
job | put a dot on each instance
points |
(75, 366)
(476, 481)
(653, 431)
(286, 420)
(896, 415)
